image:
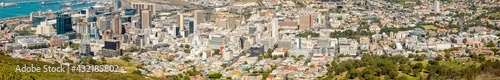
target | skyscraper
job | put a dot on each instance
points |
(181, 22)
(145, 19)
(145, 6)
(103, 23)
(116, 24)
(198, 17)
(36, 20)
(90, 12)
(84, 48)
(63, 23)
(117, 4)
(274, 28)
(436, 6)
(191, 27)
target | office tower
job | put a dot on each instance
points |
(257, 50)
(191, 27)
(298, 43)
(84, 48)
(94, 31)
(275, 28)
(116, 24)
(104, 24)
(305, 21)
(43, 29)
(63, 23)
(145, 6)
(436, 6)
(177, 32)
(117, 4)
(111, 48)
(37, 19)
(199, 17)
(90, 12)
(181, 22)
(83, 28)
(145, 19)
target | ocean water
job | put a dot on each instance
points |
(24, 9)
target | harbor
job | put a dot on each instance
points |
(24, 8)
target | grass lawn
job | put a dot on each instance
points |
(458, 63)
(129, 66)
(429, 27)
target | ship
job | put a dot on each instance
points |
(80, 3)
(67, 4)
(48, 2)
(7, 4)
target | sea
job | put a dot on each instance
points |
(25, 7)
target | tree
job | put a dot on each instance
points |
(301, 56)
(448, 55)
(126, 58)
(215, 75)
(103, 59)
(216, 52)
(418, 67)
(393, 74)
(439, 58)
(74, 46)
(490, 44)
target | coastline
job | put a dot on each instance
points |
(16, 17)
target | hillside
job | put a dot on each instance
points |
(8, 67)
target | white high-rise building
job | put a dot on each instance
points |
(43, 29)
(274, 28)
(436, 6)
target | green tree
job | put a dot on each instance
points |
(216, 52)
(490, 44)
(393, 74)
(126, 58)
(439, 58)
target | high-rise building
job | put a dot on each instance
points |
(145, 6)
(111, 48)
(257, 50)
(90, 12)
(199, 17)
(63, 23)
(103, 24)
(274, 28)
(145, 19)
(181, 22)
(37, 19)
(117, 4)
(191, 27)
(437, 6)
(116, 24)
(84, 50)
(83, 28)
(43, 29)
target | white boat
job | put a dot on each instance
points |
(67, 4)
(7, 4)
